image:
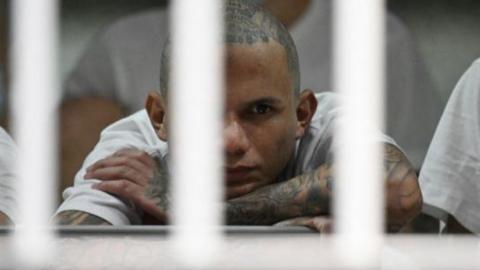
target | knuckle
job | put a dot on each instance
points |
(123, 185)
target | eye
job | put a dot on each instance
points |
(261, 109)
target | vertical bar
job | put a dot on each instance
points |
(34, 99)
(196, 141)
(358, 76)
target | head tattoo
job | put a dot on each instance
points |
(247, 23)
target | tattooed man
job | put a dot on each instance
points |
(277, 142)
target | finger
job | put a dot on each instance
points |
(118, 173)
(322, 224)
(135, 193)
(139, 155)
(300, 221)
(152, 209)
(146, 171)
(121, 188)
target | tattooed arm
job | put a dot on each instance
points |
(403, 196)
(304, 195)
(72, 217)
(310, 195)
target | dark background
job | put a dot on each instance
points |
(447, 32)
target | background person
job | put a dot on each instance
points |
(450, 176)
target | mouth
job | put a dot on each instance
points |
(238, 175)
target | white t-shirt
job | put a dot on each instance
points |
(450, 177)
(123, 64)
(8, 152)
(136, 131)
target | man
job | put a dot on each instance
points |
(451, 173)
(277, 159)
(120, 67)
(7, 177)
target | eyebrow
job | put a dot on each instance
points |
(268, 100)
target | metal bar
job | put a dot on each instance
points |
(358, 77)
(34, 99)
(196, 142)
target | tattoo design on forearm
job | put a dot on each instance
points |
(73, 217)
(404, 195)
(157, 188)
(305, 195)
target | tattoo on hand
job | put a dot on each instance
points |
(157, 188)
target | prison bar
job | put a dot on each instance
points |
(196, 139)
(34, 120)
(359, 78)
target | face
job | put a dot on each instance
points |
(260, 118)
(263, 118)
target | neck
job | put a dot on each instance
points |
(287, 11)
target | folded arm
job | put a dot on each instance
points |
(310, 195)
(305, 195)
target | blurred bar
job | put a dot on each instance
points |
(196, 101)
(359, 78)
(34, 98)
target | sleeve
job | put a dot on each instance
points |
(450, 177)
(8, 203)
(126, 133)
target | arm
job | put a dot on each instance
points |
(78, 218)
(310, 195)
(305, 195)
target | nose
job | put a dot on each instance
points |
(235, 139)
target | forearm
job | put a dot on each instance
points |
(5, 220)
(78, 218)
(404, 198)
(310, 195)
(305, 195)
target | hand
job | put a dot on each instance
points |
(321, 224)
(134, 175)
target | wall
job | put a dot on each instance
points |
(448, 35)
(81, 20)
(447, 32)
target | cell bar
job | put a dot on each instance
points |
(196, 99)
(359, 78)
(34, 99)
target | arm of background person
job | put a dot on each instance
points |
(82, 120)
(310, 195)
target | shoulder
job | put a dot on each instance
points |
(134, 130)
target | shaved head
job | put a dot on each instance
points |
(246, 23)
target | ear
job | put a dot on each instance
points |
(306, 108)
(157, 112)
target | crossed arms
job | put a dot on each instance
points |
(307, 195)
